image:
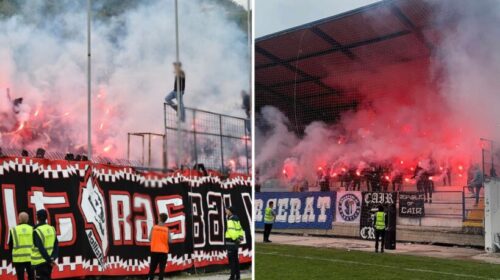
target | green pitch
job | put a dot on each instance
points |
(298, 262)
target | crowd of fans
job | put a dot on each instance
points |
(387, 177)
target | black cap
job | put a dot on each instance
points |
(41, 214)
(230, 208)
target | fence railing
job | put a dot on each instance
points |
(218, 141)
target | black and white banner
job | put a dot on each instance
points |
(370, 201)
(294, 210)
(348, 207)
(411, 204)
(103, 214)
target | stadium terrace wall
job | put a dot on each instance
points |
(103, 214)
(409, 229)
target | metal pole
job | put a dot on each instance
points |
(249, 36)
(89, 95)
(143, 160)
(194, 139)
(149, 152)
(128, 147)
(164, 152)
(165, 140)
(180, 106)
(221, 146)
(246, 147)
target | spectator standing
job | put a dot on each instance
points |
(21, 245)
(269, 218)
(46, 247)
(234, 236)
(160, 238)
(380, 224)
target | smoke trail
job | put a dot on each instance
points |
(427, 111)
(43, 58)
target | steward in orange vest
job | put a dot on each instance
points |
(160, 237)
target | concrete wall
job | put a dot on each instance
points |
(417, 234)
(491, 215)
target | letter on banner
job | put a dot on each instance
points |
(143, 223)
(216, 227)
(295, 215)
(308, 216)
(39, 199)
(259, 210)
(173, 206)
(198, 220)
(120, 217)
(323, 204)
(9, 202)
(282, 209)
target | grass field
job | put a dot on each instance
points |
(298, 262)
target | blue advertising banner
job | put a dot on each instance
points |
(308, 210)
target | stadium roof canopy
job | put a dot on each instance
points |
(309, 72)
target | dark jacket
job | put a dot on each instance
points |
(38, 243)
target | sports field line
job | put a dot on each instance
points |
(467, 276)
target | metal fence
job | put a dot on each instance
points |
(215, 140)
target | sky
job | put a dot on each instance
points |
(275, 15)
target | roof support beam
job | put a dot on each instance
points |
(333, 42)
(335, 49)
(396, 11)
(287, 65)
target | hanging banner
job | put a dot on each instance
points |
(370, 202)
(312, 210)
(103, 215)
(348, 207)
(411, 204)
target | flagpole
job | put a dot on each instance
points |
(180, 105)
(89, 95)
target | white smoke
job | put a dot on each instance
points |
(44, 61)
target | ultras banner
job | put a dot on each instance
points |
(348, 207)
(103, 214)
(313, 210)
(369, 204)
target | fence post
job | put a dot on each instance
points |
(194, 139)
(246, 146)
(463, 204)
(221, 145)
(165, 138)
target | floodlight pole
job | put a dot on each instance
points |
(89, 95)
(180, 105)
(249, 36)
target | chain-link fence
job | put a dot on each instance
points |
(217, 141)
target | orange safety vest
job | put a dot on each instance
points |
(159, 239)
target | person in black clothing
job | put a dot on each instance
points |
(179, 85)
(43, 271)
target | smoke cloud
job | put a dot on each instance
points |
(432, 108)
(43, 54)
